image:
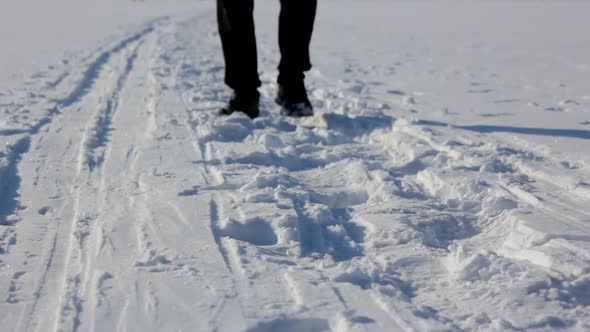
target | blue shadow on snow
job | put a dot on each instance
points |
(573, 133)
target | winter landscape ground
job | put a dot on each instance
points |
(444, 184)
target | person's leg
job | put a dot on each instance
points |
(236, 29)
(295, 29)
(296, 22)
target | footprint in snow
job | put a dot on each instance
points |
(254, 231)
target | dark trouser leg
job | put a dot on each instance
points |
(295, 28)
(236, 28)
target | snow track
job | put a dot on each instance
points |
(130, 205)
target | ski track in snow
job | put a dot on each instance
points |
(158, 214)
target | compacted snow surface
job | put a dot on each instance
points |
(444, 184)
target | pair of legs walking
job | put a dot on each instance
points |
(236, 28)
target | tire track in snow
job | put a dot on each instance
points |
(129, 203)
(21, 146)
(80, 227)
(51, 260)
(100, 128)
(142, 212)
(96, 67)
(10, 180)
(55, 249)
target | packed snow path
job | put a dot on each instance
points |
(128, 204)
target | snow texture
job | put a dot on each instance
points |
(443, 185)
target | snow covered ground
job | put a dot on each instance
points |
(444, 186)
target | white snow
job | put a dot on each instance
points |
(443, 186)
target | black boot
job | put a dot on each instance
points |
(247, 103)
(293, 100)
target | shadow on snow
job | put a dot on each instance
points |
(573, 133)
